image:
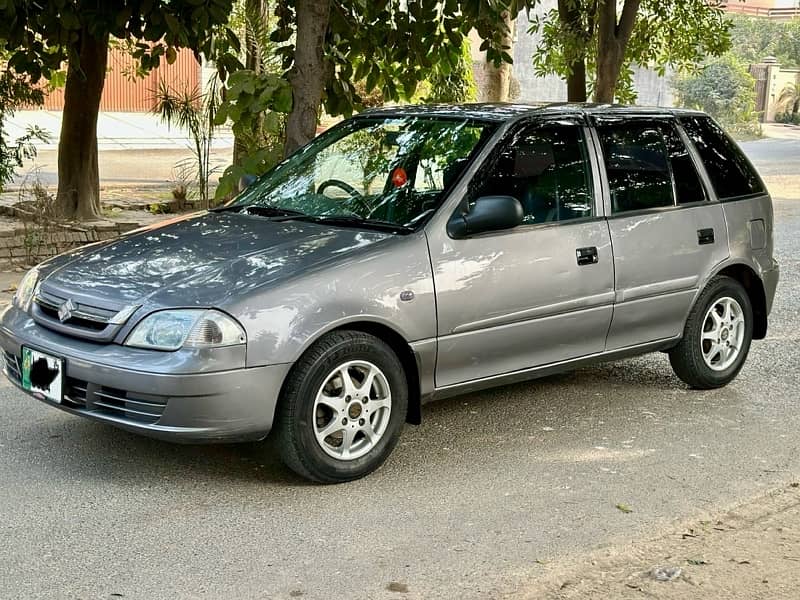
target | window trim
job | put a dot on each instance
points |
(529, 227)
(658, 209)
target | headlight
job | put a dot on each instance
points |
(174, 329)
(26, 290)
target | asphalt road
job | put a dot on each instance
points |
(471, 499)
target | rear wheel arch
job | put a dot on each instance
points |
(754, 287)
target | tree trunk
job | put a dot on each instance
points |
(78, 194)
(612, 42)
(609, 65)
(497, 79)
(576, 82)
(309, 74)
(569, 16)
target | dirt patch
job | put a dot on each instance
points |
(783, 186)
(747, 553)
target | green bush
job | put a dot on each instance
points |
(724, 89)
(788, 118)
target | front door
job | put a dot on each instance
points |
(536, 294)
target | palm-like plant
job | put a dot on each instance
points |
(790, 98)
(194, 111)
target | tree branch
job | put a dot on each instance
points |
(627, 20)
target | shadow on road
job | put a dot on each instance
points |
(480, 426)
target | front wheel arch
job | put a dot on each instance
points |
(403, 351)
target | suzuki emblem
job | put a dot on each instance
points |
(66, 309)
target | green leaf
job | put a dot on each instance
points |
(172, 23)
(222, 114)
(624, 508)
(272, 122)
(283, 99)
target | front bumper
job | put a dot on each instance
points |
(150, 392)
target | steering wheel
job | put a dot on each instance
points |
(342, 185)
(357, 198)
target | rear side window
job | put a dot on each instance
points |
(688, 187)
(730, 172)
(637, 164)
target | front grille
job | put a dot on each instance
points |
(117, 403)
(86, 321)
(74, 321)
(75, 391)
(12, 366)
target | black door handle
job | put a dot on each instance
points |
(586, 256)
(705, 236)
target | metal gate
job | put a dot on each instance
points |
(760, 74)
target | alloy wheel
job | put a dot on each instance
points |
(352, 410)
(723, 333)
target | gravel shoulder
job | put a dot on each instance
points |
(749, 552)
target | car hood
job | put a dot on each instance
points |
(203, 260)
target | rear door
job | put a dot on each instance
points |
(666, 233)
(747, 206)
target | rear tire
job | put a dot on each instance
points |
(342, 408)
(716, 337)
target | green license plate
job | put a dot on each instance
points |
(43, 374)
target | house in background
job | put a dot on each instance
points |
(771, 78)
(125, 93)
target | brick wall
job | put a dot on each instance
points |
(28, 244)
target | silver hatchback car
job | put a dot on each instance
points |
(405, 255)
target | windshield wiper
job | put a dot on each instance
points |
(261, 211)
(349, 221)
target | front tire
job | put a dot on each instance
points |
(342, 408)
(717, 336)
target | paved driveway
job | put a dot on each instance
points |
(490, 484)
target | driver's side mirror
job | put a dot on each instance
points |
(487, 213)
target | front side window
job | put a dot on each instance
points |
(730, 172)
(369, 171)
(637, 163)
(546, 168)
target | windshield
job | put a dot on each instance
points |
(384, 171)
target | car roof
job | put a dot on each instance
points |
(499, 112)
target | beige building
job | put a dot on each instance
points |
(771, 9)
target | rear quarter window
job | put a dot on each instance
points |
(730, 172)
